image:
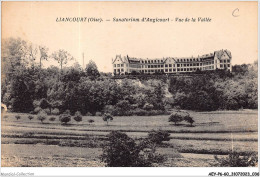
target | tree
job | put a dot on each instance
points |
(42, 115)
(91, 70)
(62, 57)
(107, 117)
(189, 119)
(43, 54)
(78, 116)
(177, 117)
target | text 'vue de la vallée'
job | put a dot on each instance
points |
(132, 19)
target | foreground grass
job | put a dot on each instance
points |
(214, 133)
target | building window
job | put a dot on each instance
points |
(184, 65)
(228, 65)
(170, 65)
(228, 61)
(174, 69)
(170, 70)
(173, 65)
(221, 66)
(114, 70)
(166, 70)
(118, 70)
(118, 65)
(178, 65)
(122, 70)
(122, 65)
(114, 65)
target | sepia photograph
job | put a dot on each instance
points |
(129, 84)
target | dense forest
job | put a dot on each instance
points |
(27, 86)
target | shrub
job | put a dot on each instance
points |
(159, 136)
(91, 121)
(52, 119)
(42, 115)
(55, 111)
(78, 116)
(98, 114)
(37, 110)
(65, 118)
(236, 159)
(18, 117)
(88, 114)
(189, 119)
(47, 111)
(123, 151)
(30, 117)
(107, 117)
(67, 112)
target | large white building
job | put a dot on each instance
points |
(217, 60)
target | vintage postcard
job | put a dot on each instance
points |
(129, 84)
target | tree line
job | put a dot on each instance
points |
(29, 87)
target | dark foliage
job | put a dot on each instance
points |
(123, 151)
(30, 117)
(18, 117)
(78, 117)
(158, 136)
(236, 159)
(64, 118)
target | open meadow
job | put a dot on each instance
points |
(32, 143)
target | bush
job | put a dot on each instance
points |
(52, 119)
(30, 117)
(159, 136)
(67, 112)
(107, 117)
(123, 151)
(98, 114)
(37, 110)
(18, 117)
(42, 115)
(55, 111)
(236, 159)
(78, 116)
(65, 118)
(91, 121)
(47, 111)
(88, 114)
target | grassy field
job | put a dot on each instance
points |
(31, 143)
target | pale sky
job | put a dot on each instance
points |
(36, 22)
